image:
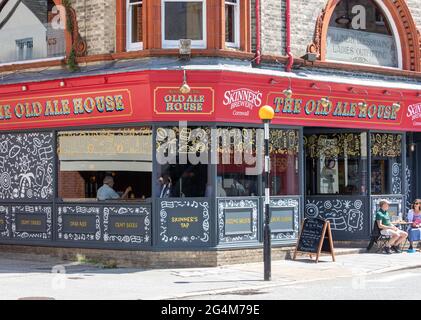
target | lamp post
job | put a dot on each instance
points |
(266, 114)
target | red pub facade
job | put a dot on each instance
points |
(185, 135)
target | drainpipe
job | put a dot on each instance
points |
(257, 57)
(288, 67)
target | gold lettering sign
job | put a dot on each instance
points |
(1, 222)
(70, 106)
(126, 225)
(281, 219)
(184, 221)
(112, 142)
(169, 101)
(238, 221)
(79, 224)
(31, 222)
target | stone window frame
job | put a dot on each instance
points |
(195, 44)
(237, 22)
(215, 26)
(133, 46)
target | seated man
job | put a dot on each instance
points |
(388, 229)
(106, 192)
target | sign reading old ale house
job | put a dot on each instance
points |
(170, 101)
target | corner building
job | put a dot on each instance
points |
(97, 88)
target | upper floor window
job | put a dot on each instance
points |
(184, 19)
(31, 29)
(360, 32)
(134, 25)
(24, 49)
(232, 23)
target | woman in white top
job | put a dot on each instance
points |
(414, 218)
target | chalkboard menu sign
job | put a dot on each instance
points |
(315, 237)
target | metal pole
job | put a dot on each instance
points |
(266, 228)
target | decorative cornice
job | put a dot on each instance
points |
(315, 46)
(78, 43)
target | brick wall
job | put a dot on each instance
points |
(303, 19)
(96, 20)
(273, 27)
(415, 8)
(71, 185)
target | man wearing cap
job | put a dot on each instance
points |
(396, 235)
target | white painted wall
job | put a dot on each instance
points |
(23, 24)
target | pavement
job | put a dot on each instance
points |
(43, 277)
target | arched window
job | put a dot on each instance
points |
(361, 32)
(31, 30)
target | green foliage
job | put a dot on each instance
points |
(71, 61)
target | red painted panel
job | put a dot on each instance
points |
(222, 96)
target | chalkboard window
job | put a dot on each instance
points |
(336, 163)
(87, 157)
(182, 162)
(27, 166)
(386, 167)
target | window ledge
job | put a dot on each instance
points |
(27, 62)
(41, 63)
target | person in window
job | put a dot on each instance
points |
(388, 229)
(328, 174)
(106, 192)
(414, 218)
(187, 186)
(165, 190)
(237, 189)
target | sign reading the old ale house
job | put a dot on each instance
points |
(72, 106)
(340, 110)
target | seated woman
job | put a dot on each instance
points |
(414, 218)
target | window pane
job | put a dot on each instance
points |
(87, 157)
(386, 168)
(236, 160)
(359, 32)
(336, 163)
(183, 157)
(184, 20)
(374, 19)
(284, 162)
(229, 23)
(136, 23)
